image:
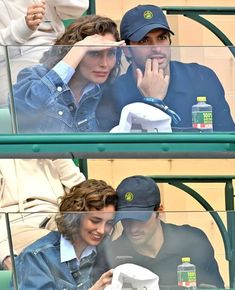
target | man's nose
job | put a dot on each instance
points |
(156, 48)
(132, 226)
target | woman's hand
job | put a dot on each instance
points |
(104, 280)
(91, 42)
(94, 42)
(35, 15)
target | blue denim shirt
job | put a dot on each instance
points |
(39, 267)
(45, 103)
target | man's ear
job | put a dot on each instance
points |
(159, 210)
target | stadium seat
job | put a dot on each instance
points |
(5, 121)
(5, 278)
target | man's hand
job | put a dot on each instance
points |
(7, 265)
(35, 15)
(153, 83)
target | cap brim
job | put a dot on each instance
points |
(133, 215)
(140, 33)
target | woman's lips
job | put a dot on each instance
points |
(101, 74)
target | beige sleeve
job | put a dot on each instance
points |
(70, 9)
(4, 245)
(69, 173)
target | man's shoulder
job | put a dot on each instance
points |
(184, 231)
(193, 66)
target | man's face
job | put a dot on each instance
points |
(157, 46)
(139, 232)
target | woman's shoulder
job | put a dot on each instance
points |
(48, 241)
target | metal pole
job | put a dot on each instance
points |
(91, 9)
(11, 251)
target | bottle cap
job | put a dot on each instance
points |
(186, 259)
(201, 99)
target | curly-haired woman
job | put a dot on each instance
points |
(63, 93)
(66, 259)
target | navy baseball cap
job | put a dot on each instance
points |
(137, 197)
(138, 21)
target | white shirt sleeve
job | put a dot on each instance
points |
(64, 70)
(70, 9)
(16, 33)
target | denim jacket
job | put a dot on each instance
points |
(39, 267)
(44, 103)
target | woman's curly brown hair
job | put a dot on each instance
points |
(89, 195)
(84, 26)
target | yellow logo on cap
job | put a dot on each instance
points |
(148, 14)
(129, 196)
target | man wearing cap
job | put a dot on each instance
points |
(149, 242)
(154, 79)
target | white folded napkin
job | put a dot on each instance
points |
(130, 276)
(141, 117)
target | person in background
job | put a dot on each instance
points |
(29, 192)
(28, 27)
(158, 246)
(153, 78)
(62, 94)
(67, 258)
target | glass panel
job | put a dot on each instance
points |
(52, 100)
(5, 249)
(164, 238)
(5, 81)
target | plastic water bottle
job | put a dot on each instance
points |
(202, 119)
(186, 273)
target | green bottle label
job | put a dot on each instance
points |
(202, 120)
(186, 278)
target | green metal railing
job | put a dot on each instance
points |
(120, 145)
(194, 14)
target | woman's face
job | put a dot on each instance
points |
(94, 225)
(97, 64)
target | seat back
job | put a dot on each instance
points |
(5, 278)
(5, 122)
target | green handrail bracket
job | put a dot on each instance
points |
(92, 8)
(228, 235)
(194, 14)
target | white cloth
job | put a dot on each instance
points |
(13, 28)
(141, 117)
(129, 276)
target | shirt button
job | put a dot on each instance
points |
(59, 89)
(60, 113)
